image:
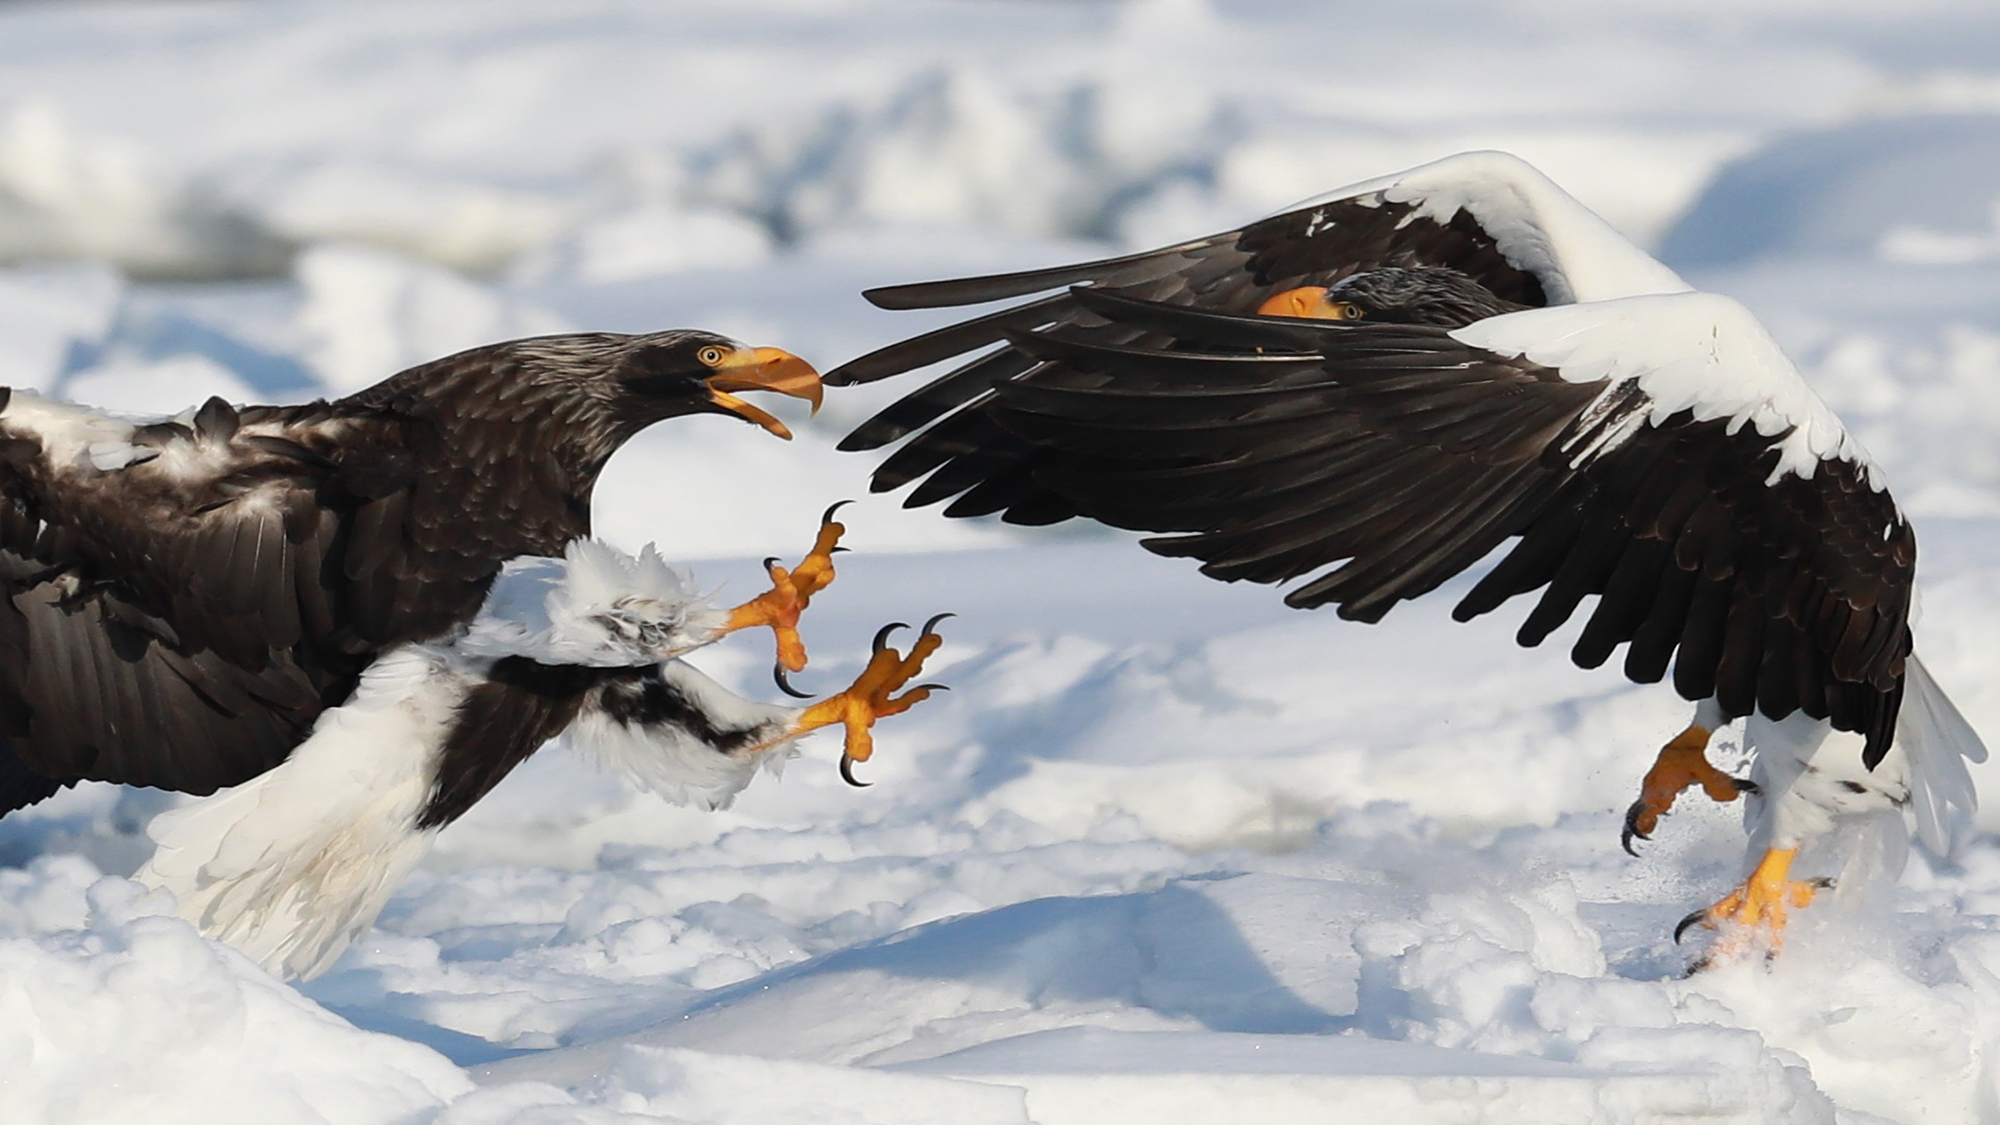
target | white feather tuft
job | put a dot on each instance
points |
(595, 606)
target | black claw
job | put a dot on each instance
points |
(1745, 785)
(837, 505)
(770, 562)
(1688, 923)
(837, 550)
(785, 684)
(932, 687)
(1632, 832)
(847, 773)
(881, 640)
(930, 627)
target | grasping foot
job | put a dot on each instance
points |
(791, 591)
(1682, 764)
(868, 699)
(1753, 915)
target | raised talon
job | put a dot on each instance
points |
(1682, 764)
(1754, 914)
(785, 684)
(847, 772)
(870, 697)
(791, 591)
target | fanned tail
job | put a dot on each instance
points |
(1937, 742)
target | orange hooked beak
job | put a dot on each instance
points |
(1306, 301)
(764, 369)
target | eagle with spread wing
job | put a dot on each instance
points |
(1378, 390)
(290, 600)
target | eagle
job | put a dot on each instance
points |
(1377, 390)
(310, 606)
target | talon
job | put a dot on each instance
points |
(1753, 916)
(785, 684)
(930, 627)
(827, 517)
(847, 772)
(791, 591)
(1632, 830)
(1689, 923)
(838, 551)
(872, 696)
(1682, 764)
(1745, 785)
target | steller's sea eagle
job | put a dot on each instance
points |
(1381, 387)
(191, 599)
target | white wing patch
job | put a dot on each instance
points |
(1698, 352)
(1537, 226)
(72, 437)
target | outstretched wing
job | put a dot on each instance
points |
(183, 597)
(1486, 215)
(1657, 453)
(172, 612)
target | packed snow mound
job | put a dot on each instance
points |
(1921, 189)
(131, 1015)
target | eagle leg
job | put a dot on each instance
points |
(869, 698)
(1682, 764)
(1753, 915)
(791, 590)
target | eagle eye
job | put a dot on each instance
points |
(1348, 310)
(711, 355)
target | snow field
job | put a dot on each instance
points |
(1168, 852)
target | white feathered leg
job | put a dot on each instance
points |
(292, 866)
(677, 733)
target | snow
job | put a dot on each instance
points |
(1168, 851)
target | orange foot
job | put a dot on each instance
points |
(867, 699)
(1753, 915)
(1682, 764)
(791, 591)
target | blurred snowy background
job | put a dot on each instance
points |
(1169, 852)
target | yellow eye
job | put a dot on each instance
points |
(1345, 310)
(711, 355)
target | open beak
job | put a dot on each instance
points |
(1306, 301)
(764, 369)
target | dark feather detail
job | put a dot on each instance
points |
(1398, 457)
(1228, 273)
(520, 705)
(179, 617)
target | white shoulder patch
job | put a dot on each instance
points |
(1700, 352)
(1537, 226)
(595, 606)
(71, 436)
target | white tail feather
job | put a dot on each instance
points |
(1938, 742)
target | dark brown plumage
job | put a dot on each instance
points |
(1378, 454)
(183, 598)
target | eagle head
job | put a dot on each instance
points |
(668, 374)
(1394, 295)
